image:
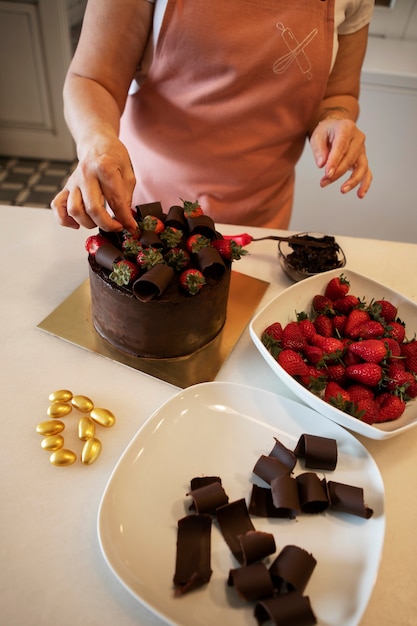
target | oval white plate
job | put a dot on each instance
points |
(221, 429)
(297, 298)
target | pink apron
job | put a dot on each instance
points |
(222, 116)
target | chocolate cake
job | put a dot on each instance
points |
(148, 309)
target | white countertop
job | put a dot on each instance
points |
(52, 570)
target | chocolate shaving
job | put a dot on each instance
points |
(285, 496)
(201, 481)
(261, 503)
(153, 282)
(318, 452)
(211, 263)
(208, 498)
(289, 609)
(312, 493)
(150, 239)
(150, 208)
(176, 218)
(268, 468)
(292, 569)
(193, 558)
(284, 455)
(253, 582)
(348, 499)
(107, 255)
(256, 545)
(202, 225)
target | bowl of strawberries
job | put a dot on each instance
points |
(346, 346)
(315, 253)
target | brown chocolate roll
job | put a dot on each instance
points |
(208, 498)
(268, 468)
(253, 582)
(176, 218)
(312, 493)
(348, 499)
(284, 455)
(201, 481)
(193, 557)
(261, 503)
(150, 208)
(234, 520)
(289, 609)
(107, 255)
(292, 569)
(153, 282)
(211, 263)
(150, 239)
(202, 225)
(285, 496)
(256, 545)
(318, 452)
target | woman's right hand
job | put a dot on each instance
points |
(102, 180)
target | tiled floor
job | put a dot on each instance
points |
(31, 182)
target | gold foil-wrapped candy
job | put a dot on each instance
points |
(86, 428)
(104, 417)
(52, 443)
(91, 451)
(61, 395)
(59, 409)
(63, 457)
(50, 427)
(82, 403)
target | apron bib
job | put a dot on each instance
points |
(223, 113)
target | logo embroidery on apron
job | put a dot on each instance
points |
(296, 52)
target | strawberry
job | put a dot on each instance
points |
(192, 280)
(124, 272)
(396, 330)
(131, 246)
(337, 288)
(399, 380)
(383, 309)
(292, 362)
(323, 325)
(306, 326)
(93, 243)
(229, 249)
(192, 209)
(360, 392)
(171, 236)
(337, 373)
(271, 338)
(346, 304)
(313, 354)
(151, 222)
(409, 352)
(390, 407)
(148, 257)
(274, 331)
(365, 409)
(339, 322)
(368, 330)
(315, 379)
(178, 259)
(292, 337)
(366, 373)
(196, 243)
(329, 345)
(393, 347)
(370, 350)
(321, 304)
(335, 394)
(354, 319)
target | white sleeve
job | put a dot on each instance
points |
(352, 15)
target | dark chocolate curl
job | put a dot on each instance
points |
(268, 468)
(201, 481)
(234, 520)
(193, 565)
(285, 496)
(312, 493)
(153, 282)
(211, 263)
(202, 225)
(289, 609)
(256, 545)
(208, 498)
(318, 452)
(176, 218)
(150, 208)
(252, 582)
(292, 569)
(284, 455)
(107, 255)
(348, 499)
(261, 503)
(150, 239)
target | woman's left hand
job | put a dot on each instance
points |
(339, 146)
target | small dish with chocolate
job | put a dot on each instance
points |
(302, 261)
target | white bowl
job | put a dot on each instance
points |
(298, 298)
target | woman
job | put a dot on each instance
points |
(227, 93)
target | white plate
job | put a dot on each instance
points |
(222, 429)
(297, 298)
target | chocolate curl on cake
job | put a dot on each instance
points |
(312, 493)
(318, 452)
(153, 282)
(285, 496)
(208, 498)
(253, 582)
(193, 565)
(261, 503)
(202, 225)
(268, 468)
(211, 263)
(292, 569)
(348, 499)
(107, 255)
(201, 481)
(176, 218)
(150, 208)
(150, 239)
(284, 455)
(289, 609)
(240, 535)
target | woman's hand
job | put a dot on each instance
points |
(339, 146)
(103, 178)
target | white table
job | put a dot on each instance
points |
(51, 568)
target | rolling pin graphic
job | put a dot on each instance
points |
(296, 51)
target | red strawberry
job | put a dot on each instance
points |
(409, 351)
(360, 392)
(337, 396)
(337, 373)
(366, 409)
(323, 325)
(313, 354)
(393, 347)
(383, 309)
(148, 257)
(337, 288)
(192, 280)
(306, 326)
(354, 319)
(346, 304)
(321, 304)
(399, 380)
(370, 350)
(396, 330)
(124, 272)
(196, 243)
(366, 373)
(271, 338)
(329, 345)
(314, 380)
(274, 330)
(131, 246)
(368, 330)
(151, 222)
(229, 249)
(339, 322)
(192, 209)
(171, 236)
(177, 258)
(93, 243)
(390, 407)
(292, 362)
(292, 337)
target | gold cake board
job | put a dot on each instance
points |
(71, 321)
